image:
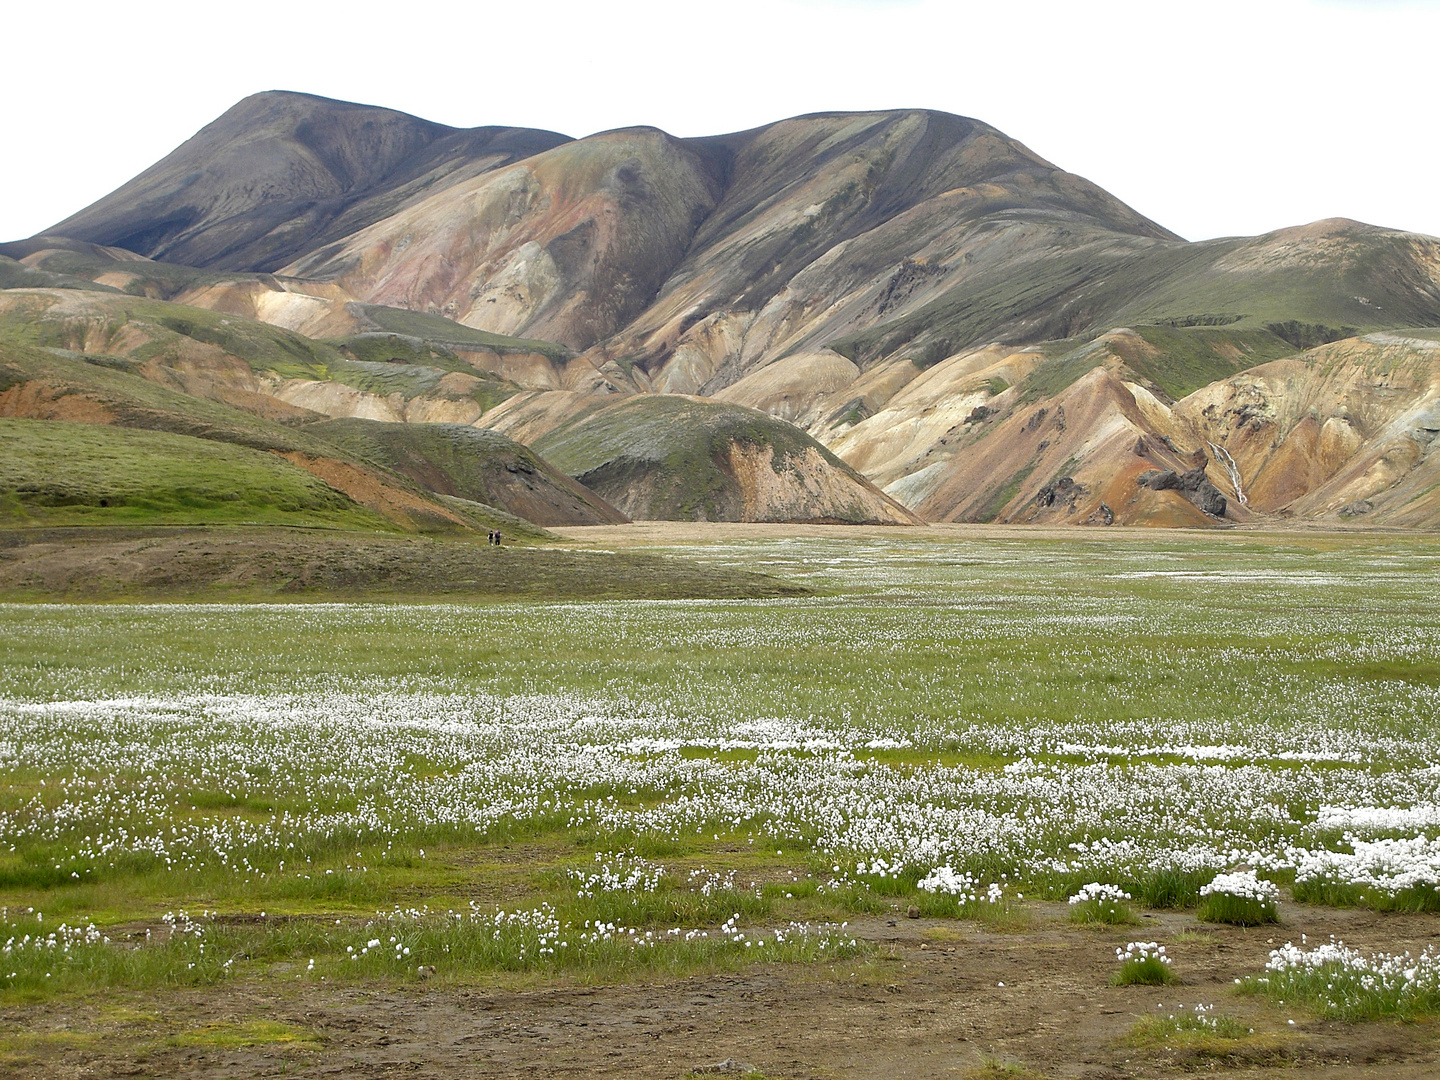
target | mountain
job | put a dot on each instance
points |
(637, 233)
(929, 318)
(280, 174)
(113, 361)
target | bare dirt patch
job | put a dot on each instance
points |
(935, 999)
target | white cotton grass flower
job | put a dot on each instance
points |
(1244, 885)
(1342, 982)
(1101, 904)
(1380, 870)
(962, 887)
(1098, 891)
(1142, 963)
(1240, 898)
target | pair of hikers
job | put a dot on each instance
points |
(495, 537)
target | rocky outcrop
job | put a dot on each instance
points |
(1195, 485)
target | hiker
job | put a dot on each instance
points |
(497, 537)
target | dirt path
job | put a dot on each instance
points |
(930, 1004)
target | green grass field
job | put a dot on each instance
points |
(82, 474)
(593, 790)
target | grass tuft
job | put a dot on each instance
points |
(1103, 912)
(1142, 964)
(1194, 1030)
(1236, 910)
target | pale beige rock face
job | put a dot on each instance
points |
(527, 417)
(1351, 421)
(807, 488)
(336, 400)
(713, 345)
(927, 414)
(315, 309)
(529, 371)
(795, 387)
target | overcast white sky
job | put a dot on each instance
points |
(1215, 118)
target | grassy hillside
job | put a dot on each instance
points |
(1182, 359)
(471, 463)
(1311, 284)
(108, 388)
(59, 473)
(1176, 360)
(16, 275)
(668, 457)
(55, 385)
(438, 330)
(140, 330)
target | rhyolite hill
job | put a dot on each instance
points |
(848, 317)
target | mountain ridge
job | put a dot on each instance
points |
(980, 334)
(290, 137)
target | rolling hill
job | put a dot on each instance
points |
(686, 459)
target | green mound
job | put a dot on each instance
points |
(102, 388)
(438, 330)
(674, 458)
(16, 275)
(59, 473)
(139, 330)
(471, 463)
(111, 385)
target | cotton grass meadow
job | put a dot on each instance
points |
(1341, 982)
(962, 724)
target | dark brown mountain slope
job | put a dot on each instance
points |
(281, 173)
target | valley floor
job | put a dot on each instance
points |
(527, 837)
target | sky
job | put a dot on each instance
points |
(1216, 118)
